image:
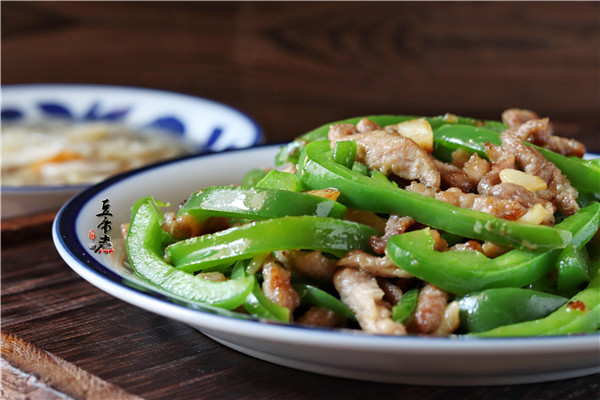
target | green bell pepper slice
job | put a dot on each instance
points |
(491, 308)
(317, 170)
(463, 272)
(406, 306)
(258, 203)
(253, 176)
(573, 268)
(144, 249)
(581, 314)
(314, 296)
(329, 235)
(344, 152)
(584, 175)
(275, 179)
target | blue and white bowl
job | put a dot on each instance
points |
(207, 126)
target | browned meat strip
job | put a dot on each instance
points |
(340, 132)
(430, 309)
(186, 226)
(359, 291)
(453, 176)
(393, 293)
(502, 160)
(491, 185)
(534, 163)
(515, 117)
(395, 225)
(390, 153)
(277, 286)
(471, 245)
(312, 264)
(501, 208)
(476, 168)
(526, 198)
(320, 316)
(417, 187)
(460, 157)
(365, 125)
(493, 250)
(377, 266)
(439, 243)
(539, 132)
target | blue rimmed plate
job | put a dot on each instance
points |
(205, 125)
(408, 360)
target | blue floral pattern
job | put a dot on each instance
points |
(167, 123)
(38, 101)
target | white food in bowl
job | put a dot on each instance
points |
(63, 153)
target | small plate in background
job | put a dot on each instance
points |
(204, 125)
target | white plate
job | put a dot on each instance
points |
(409, 360)
(207, 125)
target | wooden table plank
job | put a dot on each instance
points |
(45, 375)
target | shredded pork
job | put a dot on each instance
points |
(277, 285)
(320, 316)
(534, 163)
(378, 266)
(430, 309)
(359, 291)
(390, 153)
(395, 225)
(312, 264)
(529, 126)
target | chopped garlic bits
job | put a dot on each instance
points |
(418, 130)
(535, 215)
(530, 182)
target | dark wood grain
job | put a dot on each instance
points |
(42, 374)
(291, 66)
(294, 66)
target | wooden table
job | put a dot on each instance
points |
(291, 66)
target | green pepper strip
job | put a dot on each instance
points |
(291, 151)
(344, 152)
(314, 296)
(316, 170)
(258, 203)
(573, 268)
(246, 241)
(406, 306)
(257, 304)
(144, 248)
(275, 179)
(253, 176)
(491, 308)
(583, 175)
(580, 315)
(463, 272)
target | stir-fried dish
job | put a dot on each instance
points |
(394, 225)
